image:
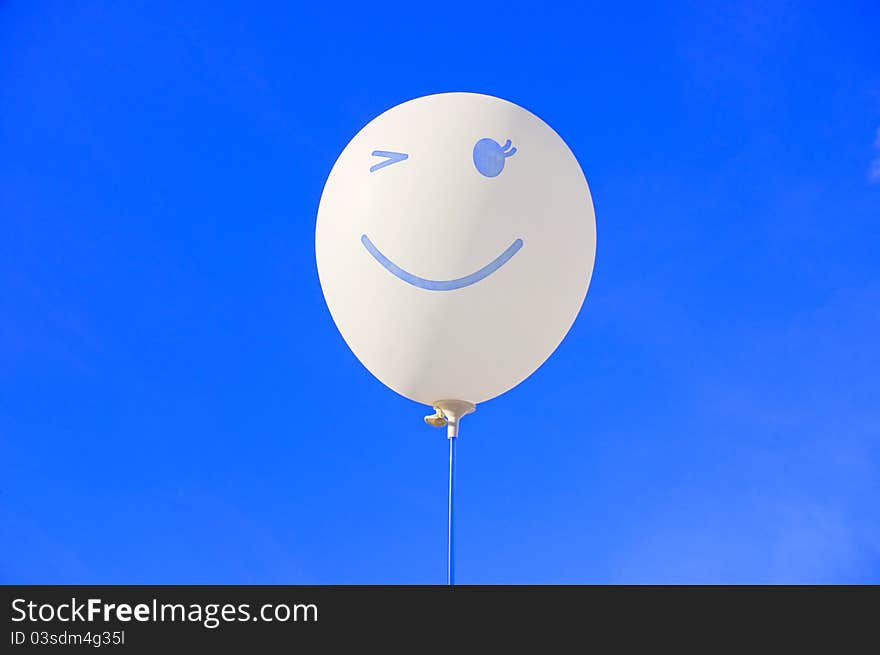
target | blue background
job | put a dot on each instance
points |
(177, 406)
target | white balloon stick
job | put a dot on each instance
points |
(455, 244)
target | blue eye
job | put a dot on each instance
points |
(489, 156)
(392, 158)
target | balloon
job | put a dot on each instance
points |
(455, 244)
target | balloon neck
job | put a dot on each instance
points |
(449, 413)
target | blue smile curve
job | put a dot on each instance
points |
(442, 285)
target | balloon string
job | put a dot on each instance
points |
(450, 559)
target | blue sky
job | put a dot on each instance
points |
(176, 405)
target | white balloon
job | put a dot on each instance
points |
(455, 244)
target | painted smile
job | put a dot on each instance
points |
(442, 285)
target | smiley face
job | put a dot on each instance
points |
(489, 161)
(455, 244)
